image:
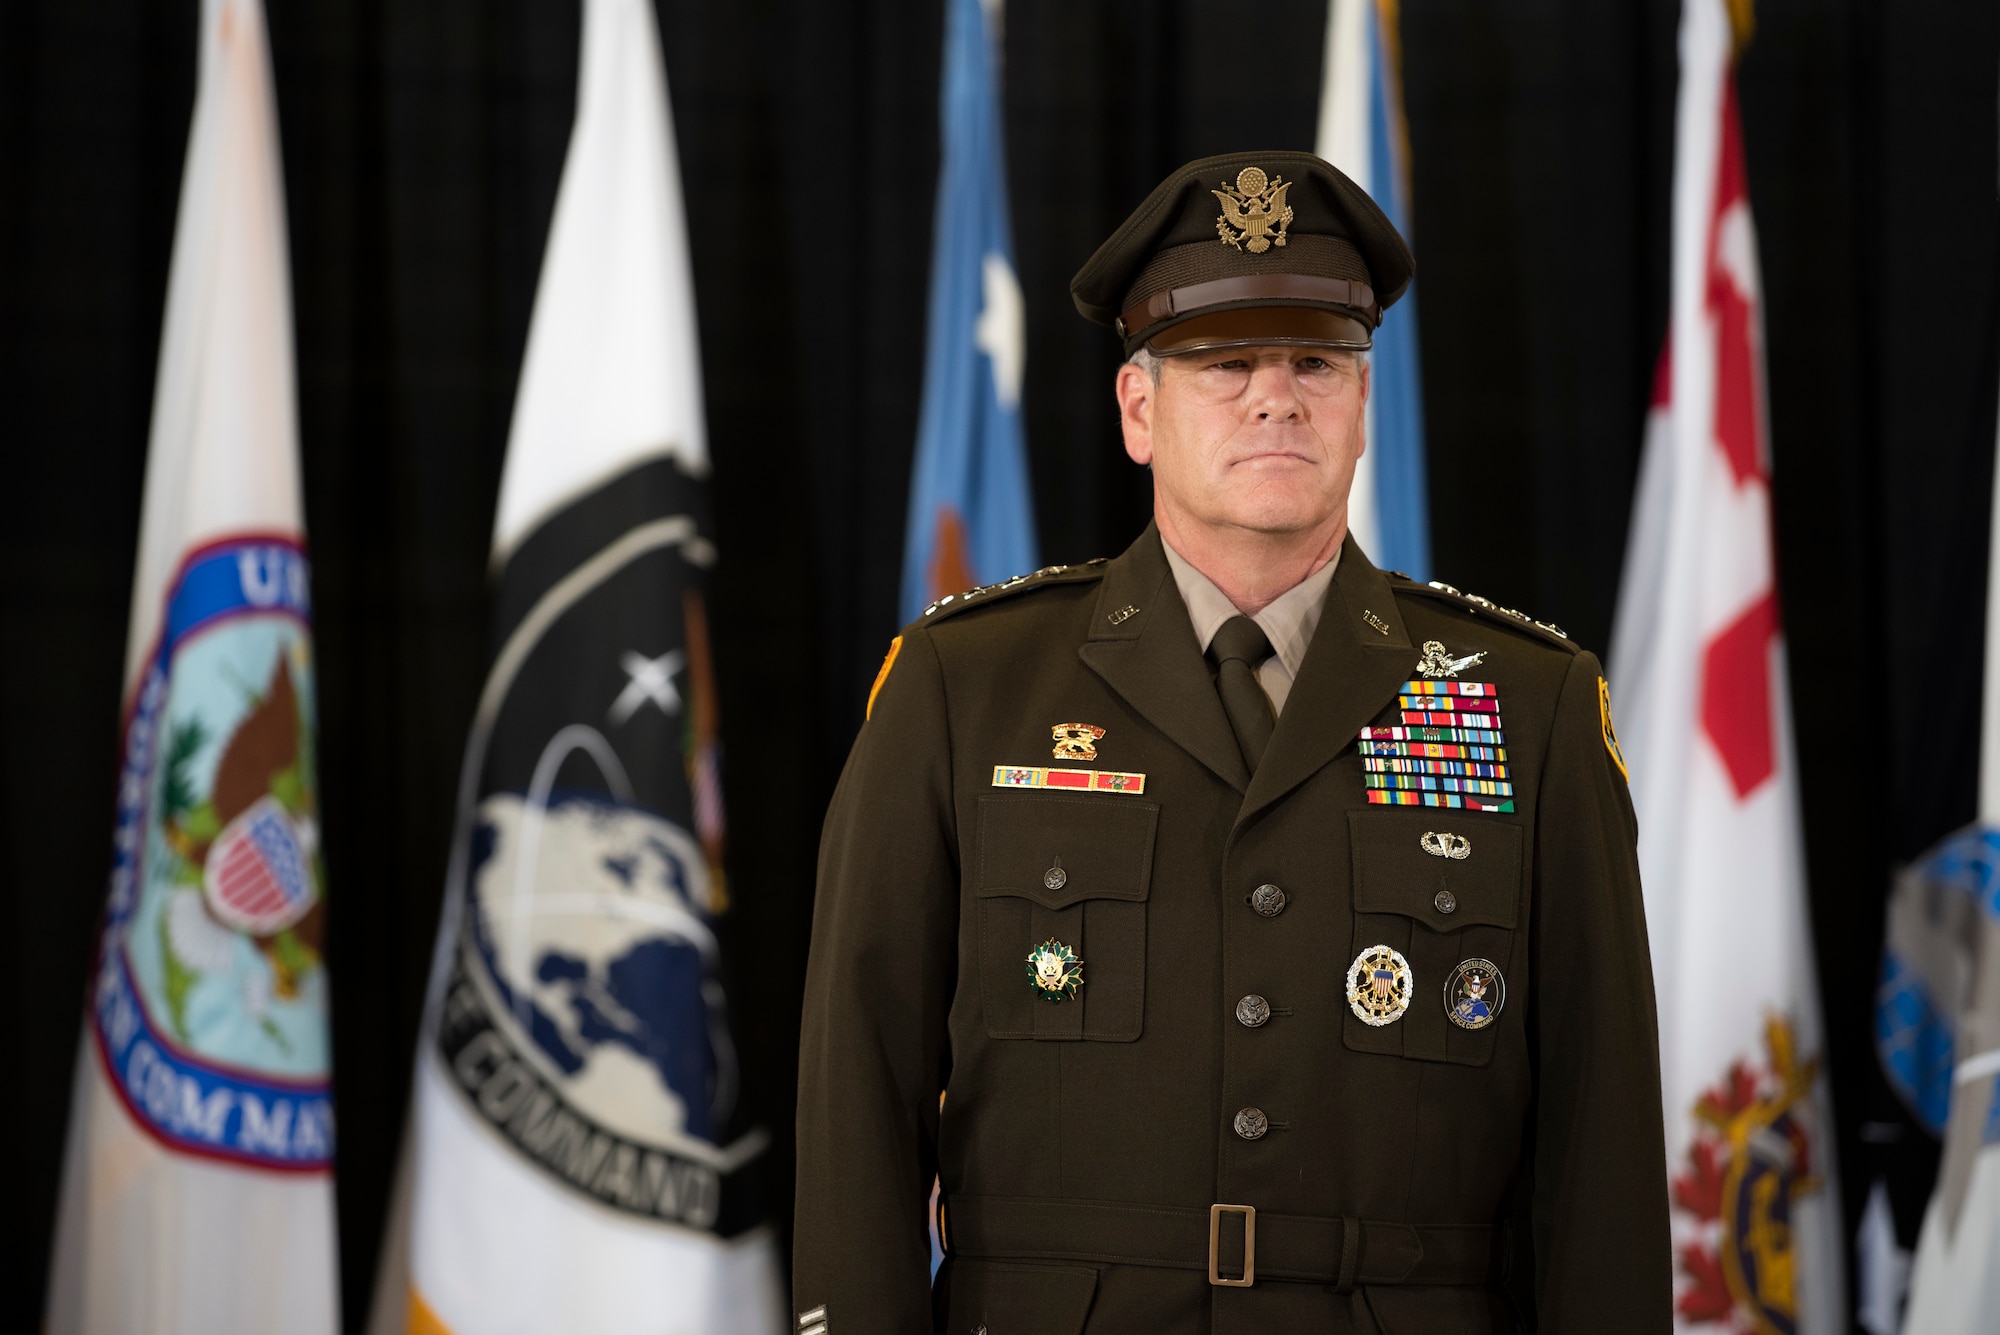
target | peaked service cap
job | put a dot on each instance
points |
(1247, 249)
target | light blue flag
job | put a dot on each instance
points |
(1402, 499)
(1361, 132)
(971, 519)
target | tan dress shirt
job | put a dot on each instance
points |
(1288, 622)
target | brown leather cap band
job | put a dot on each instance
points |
(1277, 287)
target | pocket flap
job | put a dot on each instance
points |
(1398, 868)
(1103, 847)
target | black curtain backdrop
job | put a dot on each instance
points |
(422, 149)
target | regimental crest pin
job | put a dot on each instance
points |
(1378, 985)
(1474, 994)
(1076, 741)
(1055, 971)
(1438, 662)
(1254, 214)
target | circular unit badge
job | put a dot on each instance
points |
(1474, 994)
(1379, 985)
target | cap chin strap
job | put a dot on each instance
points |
(1280, 287)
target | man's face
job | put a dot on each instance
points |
(1262, 439)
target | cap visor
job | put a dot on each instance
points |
(1263, 326)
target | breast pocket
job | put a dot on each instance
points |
(1061, 883)
(1442, 889)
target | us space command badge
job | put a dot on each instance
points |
(1378, 985)
(1055, 971)
(1474, 994)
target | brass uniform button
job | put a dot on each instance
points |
(1251, 1124)
(1268, 900)
(1446, 902)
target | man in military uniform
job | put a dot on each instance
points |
(1269, 923)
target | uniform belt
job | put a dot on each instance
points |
(1234, 1242)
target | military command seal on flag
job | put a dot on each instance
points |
(584, 1019)
(209, 1007)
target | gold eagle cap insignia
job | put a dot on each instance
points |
(1254, 214)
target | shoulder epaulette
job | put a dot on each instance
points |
(1506, 616)
(954, 603)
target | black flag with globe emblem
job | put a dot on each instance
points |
(577, 1160)
(586, 1012)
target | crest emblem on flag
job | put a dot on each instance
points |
(1749, 1165)
(210, 1001)
(256, 879)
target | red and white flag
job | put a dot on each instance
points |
(1698, 661)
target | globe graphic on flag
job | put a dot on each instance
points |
(590, 921)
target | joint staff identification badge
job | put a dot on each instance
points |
(1378, 985)
(1055, 971)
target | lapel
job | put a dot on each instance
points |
(1350, 671)
(1149, 656)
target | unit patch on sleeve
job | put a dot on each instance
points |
(1610, 733)
(1448, 752)
(888, 661)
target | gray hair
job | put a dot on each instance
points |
(1150, 362)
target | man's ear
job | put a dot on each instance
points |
(1135, 390)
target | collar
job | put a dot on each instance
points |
(1288, 621)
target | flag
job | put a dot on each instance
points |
(576, 1159)
(1362, 131)
(197, 1193)
(1698, 659)
(1937, 1028)
(971, 518)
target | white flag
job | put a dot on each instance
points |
(576, 1162)
(1362, 132)
(197, 1194)
(1698, 662)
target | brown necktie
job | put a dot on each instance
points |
(1237, 649)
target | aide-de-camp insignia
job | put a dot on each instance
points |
(1474, 994)
(1438, 662)
(1378, 985)
(1254, 214)
(1076, 741)
(1055, 971)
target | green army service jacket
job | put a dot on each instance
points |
(1205, 1104)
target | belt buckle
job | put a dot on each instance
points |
(1249, 1213)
